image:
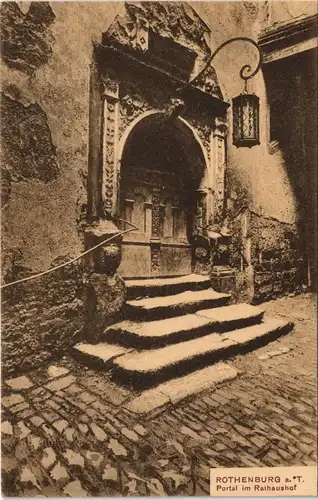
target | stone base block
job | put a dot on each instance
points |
(223, 279)
(105, 297)
(106, 258)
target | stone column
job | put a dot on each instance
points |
(201, 249)
(201, 215)
(109, 142)
(105, 289)
(219, 159)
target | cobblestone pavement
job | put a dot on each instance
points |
(64, 432)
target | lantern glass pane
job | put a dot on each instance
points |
(245, 120)
(248, 119)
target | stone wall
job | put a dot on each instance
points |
(262, 176)
(47, 52)
(41, 318)
(272, 250)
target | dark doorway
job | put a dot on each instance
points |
(161, 169)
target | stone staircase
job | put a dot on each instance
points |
(176, 326)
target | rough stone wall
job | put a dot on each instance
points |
(278, 265)
(41, 318)
(267, 254)
(47, 53)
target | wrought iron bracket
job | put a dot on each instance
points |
(246, 71)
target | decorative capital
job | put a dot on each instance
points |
(221, 127)
(110, 87)
(175, 107)
(208, 82)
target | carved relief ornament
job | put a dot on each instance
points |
(132, 105)
(175, 20)
(219, 134)
(204, 131)
(109, 139)
(221, 127)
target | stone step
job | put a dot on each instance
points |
(153, 334)
(153, 401)
(175, 305)
(165, 286)
(98, 355)
(150, 367)
(147, 368)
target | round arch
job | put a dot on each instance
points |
(145, 115)
(162, 164)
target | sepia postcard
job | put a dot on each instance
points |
(159, 248)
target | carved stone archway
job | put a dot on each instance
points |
(144, 57)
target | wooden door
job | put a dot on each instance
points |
(159, 205)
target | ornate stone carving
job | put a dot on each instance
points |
(219, 177)
(156, 215)
(110, 86)
(156, 231)
(142, 34)
(140, 28)
(219, 133)
(105, 259)
(174, 20)
(208, 82)
(201, 253)
(109, 127)
(204, 131)
(108, 259)
(131, 106)
(221, 252)
(221, 127)
(175, 107)
(155, 258)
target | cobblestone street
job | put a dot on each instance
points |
(65, 433)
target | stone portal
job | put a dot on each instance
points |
(161, 170)
(157, 147)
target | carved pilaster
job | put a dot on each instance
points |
(156, 215)
(109, 141)
(204, 132)
(219, 134)
(155, 258)
(156, 231)
(201, 212)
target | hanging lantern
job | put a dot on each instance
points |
(245, 120)
(245, 106)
